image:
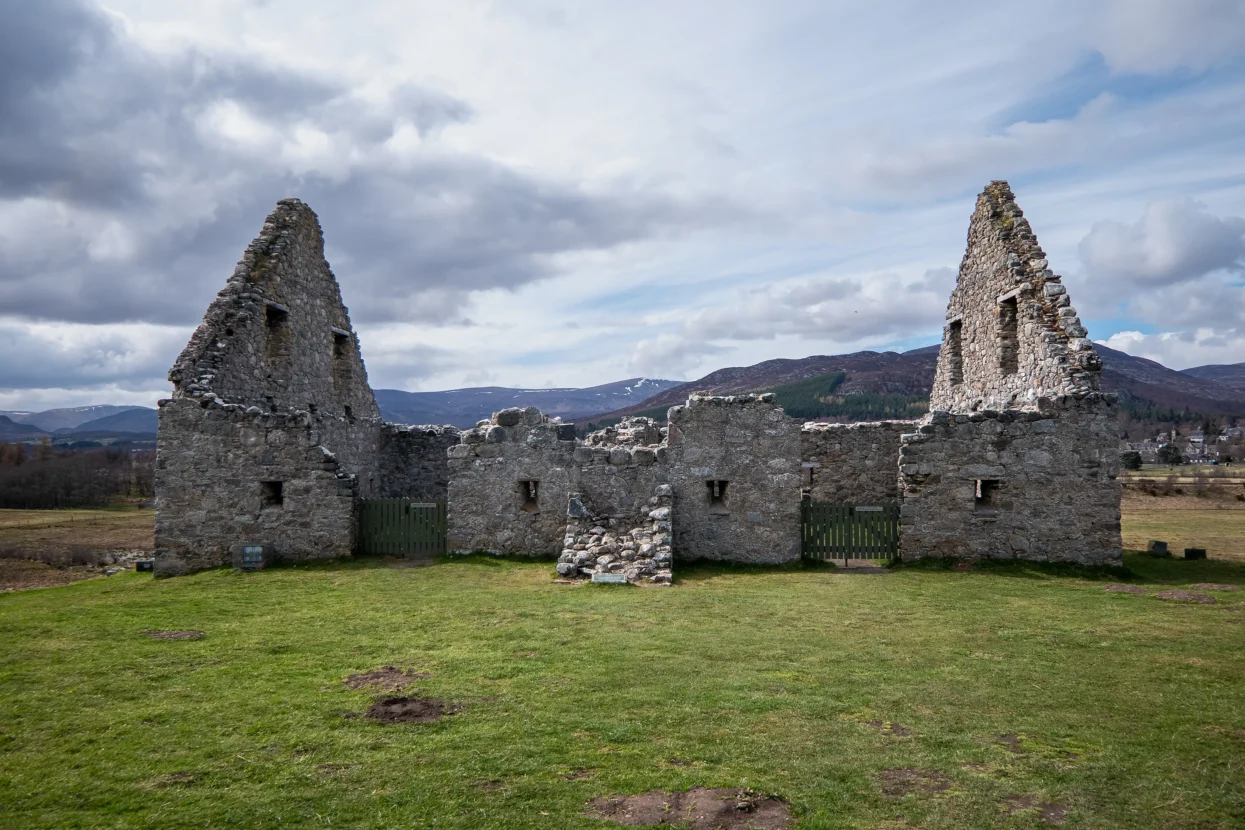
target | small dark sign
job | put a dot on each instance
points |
(252, 557)
(148, 565)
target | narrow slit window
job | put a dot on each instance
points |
(1008, 347)
(341, 346)
(277, 322)
(272, 493)
(717, 494)
(529, 496)
(955, 352)
(985, 498)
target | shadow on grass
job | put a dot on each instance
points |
(1138, 568)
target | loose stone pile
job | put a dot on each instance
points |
(629, 432)
(638, 547)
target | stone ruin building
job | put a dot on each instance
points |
(273, 437)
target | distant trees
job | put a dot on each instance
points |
(50, 477)
(1131, 460)
(816, 398)
(1169, 454)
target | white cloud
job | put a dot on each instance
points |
(1174, 241)
(1181, 350)
(1153, 36)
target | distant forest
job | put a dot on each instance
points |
(42, 476)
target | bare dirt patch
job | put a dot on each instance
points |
(1050, 812)
(1214, 586)
(1186, 596)
(17, 575)
(900, 782)
(386, 679)
(1013, 743)
(700, 808)
(157, 634)
(410, 710)
(1124, 589)
(888, 728)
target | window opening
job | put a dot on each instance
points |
(529, 492)
(955, 352)
(341, 346)
(717, 495)
(984, 500)
(277, 323)
(273, 493)
(1008, 318)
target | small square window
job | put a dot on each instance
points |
(717, 495)
(272, 493)
(985, 498)
(275, 317)
(529, 496)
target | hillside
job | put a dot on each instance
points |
(1149, 392)
(464, 407)
(51, 420)
(11, 430)
(141, 419)
(1230, 374)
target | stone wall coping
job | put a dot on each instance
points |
(819, 426)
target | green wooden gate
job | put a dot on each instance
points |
(842, 530)
(400, 527)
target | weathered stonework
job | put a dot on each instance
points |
(273, 432)
(411, 462)
(509, 484)
(735, 469)
(218, 465)
(1018, 456)
(852, 462)
(273, 435)
(635, 543)
(1051, 492)
(1012, 335)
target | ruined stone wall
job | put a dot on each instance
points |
(411, 462)
(852, 462)
(491, 507)
(749, 443)
(216, 470)
(279, 338)
(1048, 484)
(632, 538)
(1012, 335)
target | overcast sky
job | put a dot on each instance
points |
(569, 193)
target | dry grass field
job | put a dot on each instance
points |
(43, 548)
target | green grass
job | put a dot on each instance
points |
(1131, 710)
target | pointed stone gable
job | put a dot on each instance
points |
(278, 336)
(1012, 335)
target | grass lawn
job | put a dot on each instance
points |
(1009, 680)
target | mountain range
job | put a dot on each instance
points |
(465, 407)
(1149, 393)
(1148, 390)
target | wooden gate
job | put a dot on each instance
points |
(842, 530)
(400, 527)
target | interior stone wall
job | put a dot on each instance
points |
(749, 442)
(1057, 497)
(412, 463)
(486, 498)
(212, 462)
(852, 462)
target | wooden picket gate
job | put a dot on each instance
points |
(842, 530)
(400, 527)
